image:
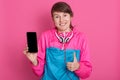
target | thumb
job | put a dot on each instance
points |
(75, 59)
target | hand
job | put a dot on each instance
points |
(31, 56)
(72, 66)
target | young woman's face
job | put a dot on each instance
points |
(62, 21)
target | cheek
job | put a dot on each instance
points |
(56, 22)
(68, 18)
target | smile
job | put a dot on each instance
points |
(62, 24)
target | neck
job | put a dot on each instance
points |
(63, 31)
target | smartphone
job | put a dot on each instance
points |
(32, 42)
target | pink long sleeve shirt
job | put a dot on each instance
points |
(52, 58)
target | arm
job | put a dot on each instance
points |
(39, 68)
(85, 64)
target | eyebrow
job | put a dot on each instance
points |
(55, 14)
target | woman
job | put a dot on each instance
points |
(63, 51)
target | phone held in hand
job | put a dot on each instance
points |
(32, 42)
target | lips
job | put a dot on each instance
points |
(62, 24)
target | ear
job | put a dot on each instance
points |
(71, 18)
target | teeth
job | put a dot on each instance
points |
(62, 24)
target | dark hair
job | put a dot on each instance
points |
(61, 7)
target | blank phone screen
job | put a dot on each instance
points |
(32, 42)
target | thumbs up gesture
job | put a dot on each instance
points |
(72, 66)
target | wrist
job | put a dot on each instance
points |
(35, 63)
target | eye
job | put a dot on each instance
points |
(65, 15)
(56, 16)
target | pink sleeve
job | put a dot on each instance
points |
(39, 69)
(85, 64)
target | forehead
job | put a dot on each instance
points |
(59, 13)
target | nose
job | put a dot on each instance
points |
(61, 19)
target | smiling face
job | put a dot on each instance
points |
(62, 21)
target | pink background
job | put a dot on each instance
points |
(99, 19)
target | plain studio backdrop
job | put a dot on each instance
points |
(99, 19)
